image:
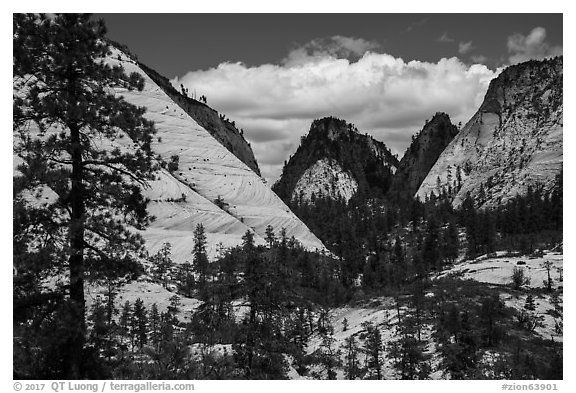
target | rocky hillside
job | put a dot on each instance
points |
(335, 160)
(200, 180)
(422, 154)
(217, 125)
(489, 275)
(514, 140)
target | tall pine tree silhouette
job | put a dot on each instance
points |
(86, 144)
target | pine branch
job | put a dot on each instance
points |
(140, 180)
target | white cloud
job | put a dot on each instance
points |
(465, 47)
(445, 38)
(380, 94)
(336, 46)
(532, 46)
(480, 59)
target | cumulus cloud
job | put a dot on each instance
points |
(478, 59)
(532, 46)
(445, 38)
(381, 94)
(465, 47)
(336, 46)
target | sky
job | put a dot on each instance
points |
(273, 74)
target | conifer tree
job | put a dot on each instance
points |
(374, 349)
(162, 263)
(200, 261)
(530, 304)
(519, 278)
(174, 307)
(408, 349)
(491, 312)
(324, 325)
(328, 356)
(111, 309)
(547, 265)
(100, 327)
(297, 337)
(125, 317)
(451, 242)
(270, 237)
(260, 335)
(469, 220)
(155, 322)
(140, 323)
(431, 253)
(63, 106)
(186, 280)
(352, 368)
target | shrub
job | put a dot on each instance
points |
(519, 279)
(173, 164)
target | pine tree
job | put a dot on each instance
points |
(452, 322)
(174, 307)
(62, 106)
(408, 349)
(270, 237)
(100, 326)
(470, 221)
(491, 311)
(431, 253)
(556, 303)
(451, 242)
(125, 317)
(140, 323)
(488, 239)
(519, 278)
(530, 305)
(186, 280)
(410, 359)
(297, 336)
(104, 332)
(155, 322)
(111, 309)
(352, 369)
(200, 261)
(328, 357)
(162, 263)
(399, 261)
(374, 350)
(547, 265)
(260, 334)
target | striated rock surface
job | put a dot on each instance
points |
(206, 183)
(513, 142)
(217, 125)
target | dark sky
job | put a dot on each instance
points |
(174, 44)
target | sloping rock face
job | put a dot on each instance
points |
(422, 154)
(221, 192)
(335, 160)
(513, 142)
(208, 186)
(217, 125)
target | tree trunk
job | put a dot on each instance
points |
(76, 261)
